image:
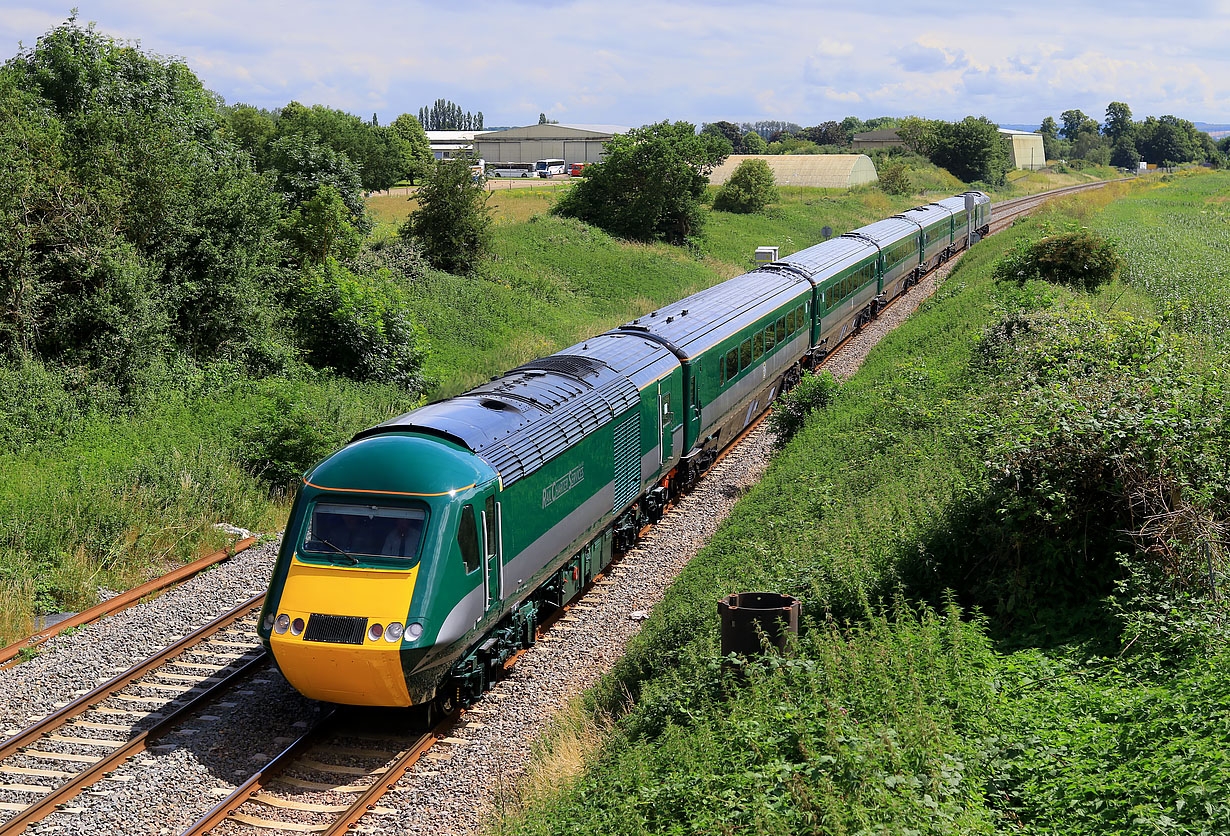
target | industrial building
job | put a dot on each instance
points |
(824, 171)
(873, 140)
(570, 143)
(1025, 149)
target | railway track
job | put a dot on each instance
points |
(57, 757)
(1005, 212)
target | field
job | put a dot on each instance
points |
(964, 667)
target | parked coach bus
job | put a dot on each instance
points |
(550, 168)
(513, 170)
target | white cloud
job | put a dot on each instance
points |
(644, 61)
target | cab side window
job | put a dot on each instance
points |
(467, 539)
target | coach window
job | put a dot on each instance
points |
(798, 317)
(467, 539)
(732, 363)
(770, 338)
(758, 345)
(745, 354)
(790, 322)
(781, 329)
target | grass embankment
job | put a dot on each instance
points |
(98, 494)
(1075, 707)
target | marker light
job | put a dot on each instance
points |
(282, 624)
(375, 631)
(413, 631)
(393, 632)
(296, 627)
(269, 621)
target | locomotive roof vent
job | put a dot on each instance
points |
(498, 406)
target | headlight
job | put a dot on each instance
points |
(413, 631)
(375, 631)
(393, 632)
(296, 627)
(281, 625)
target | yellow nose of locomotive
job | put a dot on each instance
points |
(338, 633)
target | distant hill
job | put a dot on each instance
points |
(1214, 130)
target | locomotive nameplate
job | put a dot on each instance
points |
(562, 485)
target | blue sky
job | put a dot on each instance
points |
(641, 61)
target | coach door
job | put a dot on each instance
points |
(494, 565)
(666, 419)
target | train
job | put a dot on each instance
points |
(419, 558)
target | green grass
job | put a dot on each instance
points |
(892, 718)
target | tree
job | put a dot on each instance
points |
(302, 165)
(417, 156)
(1124, 154)
(1051, 148)
(133, 230)
(972, 150)
(1166, 139)
(542, 119)
(919, 135)
(452, 224)
(728, 131)
(750, 188)
(1049, 127)
(826, 133)
(444, 115)
(1118, 121)
(321, 227)
(252, 128)
(753, 143)
(650, 183)
(376, 152)
(1075, 123)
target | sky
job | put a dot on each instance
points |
(640, 61)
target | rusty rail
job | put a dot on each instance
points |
(124, 600)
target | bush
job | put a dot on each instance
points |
(813, 392)
(452, 224)
(357, 324)
(750, 189)
(1079, 259)
(895, 179)
(287, 440)
(649, 185)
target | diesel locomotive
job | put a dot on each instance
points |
(421, 556)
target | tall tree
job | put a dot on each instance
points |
(417, 156)
(1118, 121)
(444, 115)
(728, 131)
(1075, 123)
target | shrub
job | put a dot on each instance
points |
(357, 324)
(1079, 259)
(750, 189)
(894, 179)
(649, 185)
(287, 440)
(452, 224)
(813, 392)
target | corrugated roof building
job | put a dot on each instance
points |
(546, 141)
(824, 171)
